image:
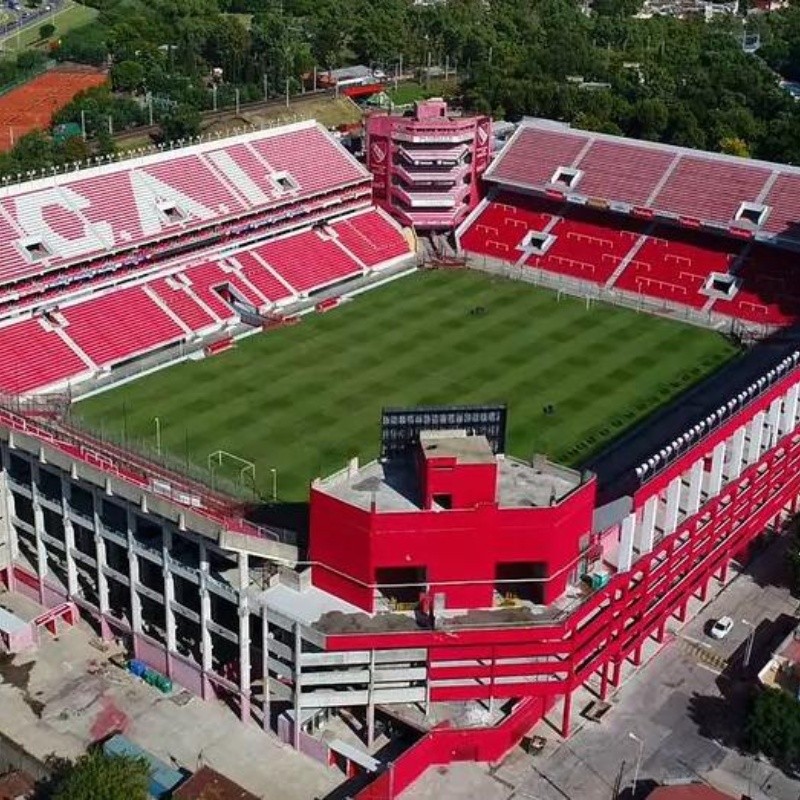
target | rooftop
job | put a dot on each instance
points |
(456, 444)
(208, 784)
(16, 785)
(67, 695)
(393, 486)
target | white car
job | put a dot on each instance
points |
(721, 628)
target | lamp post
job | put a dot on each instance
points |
(157, 422)
(274, 484)
(640, 743)
(748, 651)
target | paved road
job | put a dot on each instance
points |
(686, 706)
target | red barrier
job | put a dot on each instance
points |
(327, 304)
(219, 346)
(444, 745)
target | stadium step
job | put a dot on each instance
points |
(629, 256)
(167, 310)
(64, 336)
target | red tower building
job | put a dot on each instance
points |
(427, 166)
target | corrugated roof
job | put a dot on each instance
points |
(208, 784)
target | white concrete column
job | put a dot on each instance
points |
(266, 708)
(8, 533)
(717, 463)
(169, 592)
(38, 528)
(673, 505)
(133, 577)
(790, 410)
(72, 567)
(625, 552)
(205, 611)
(773, 421)
(100, 552)
(648, 526)
(371, 701)
(695, 487)
(244, 633)
(298, 684)
(69, 538)
(756, 437)
(736, 460)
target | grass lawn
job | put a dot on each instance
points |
(71, 15)
(410, 91)
(304, 399)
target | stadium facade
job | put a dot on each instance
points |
(427, 167)
(444, 573)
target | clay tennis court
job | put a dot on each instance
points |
(33, 104)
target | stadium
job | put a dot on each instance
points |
(304, 463)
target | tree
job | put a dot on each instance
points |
(47, 30)
(100, 777)
(182, 123)
(734, 146)
(127, 76)
(773, 726)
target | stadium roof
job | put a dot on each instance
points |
(744, 196)
(54, 221)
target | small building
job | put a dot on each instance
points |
(208, 784)
(427, 166)
(782, 671)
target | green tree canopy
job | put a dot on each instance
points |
(100, 777)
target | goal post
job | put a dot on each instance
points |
(244, 470)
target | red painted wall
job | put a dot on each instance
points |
(380, 129)
(341, 541)
(468, 485)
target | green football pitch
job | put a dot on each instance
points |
(302, 400)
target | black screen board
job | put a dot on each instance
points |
(400, 427)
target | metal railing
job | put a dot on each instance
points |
(586, 290)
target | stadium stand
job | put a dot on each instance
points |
(175, 295)
(370, 238)
(308, 260)
(119, 326)
(698, 188)
(34, 356)
(707, 232)
(111, 263)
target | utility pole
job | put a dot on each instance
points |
(237, 99)
(214, 96)
(266, 91)
(110, 125)
(635, 783)
(83, 124)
